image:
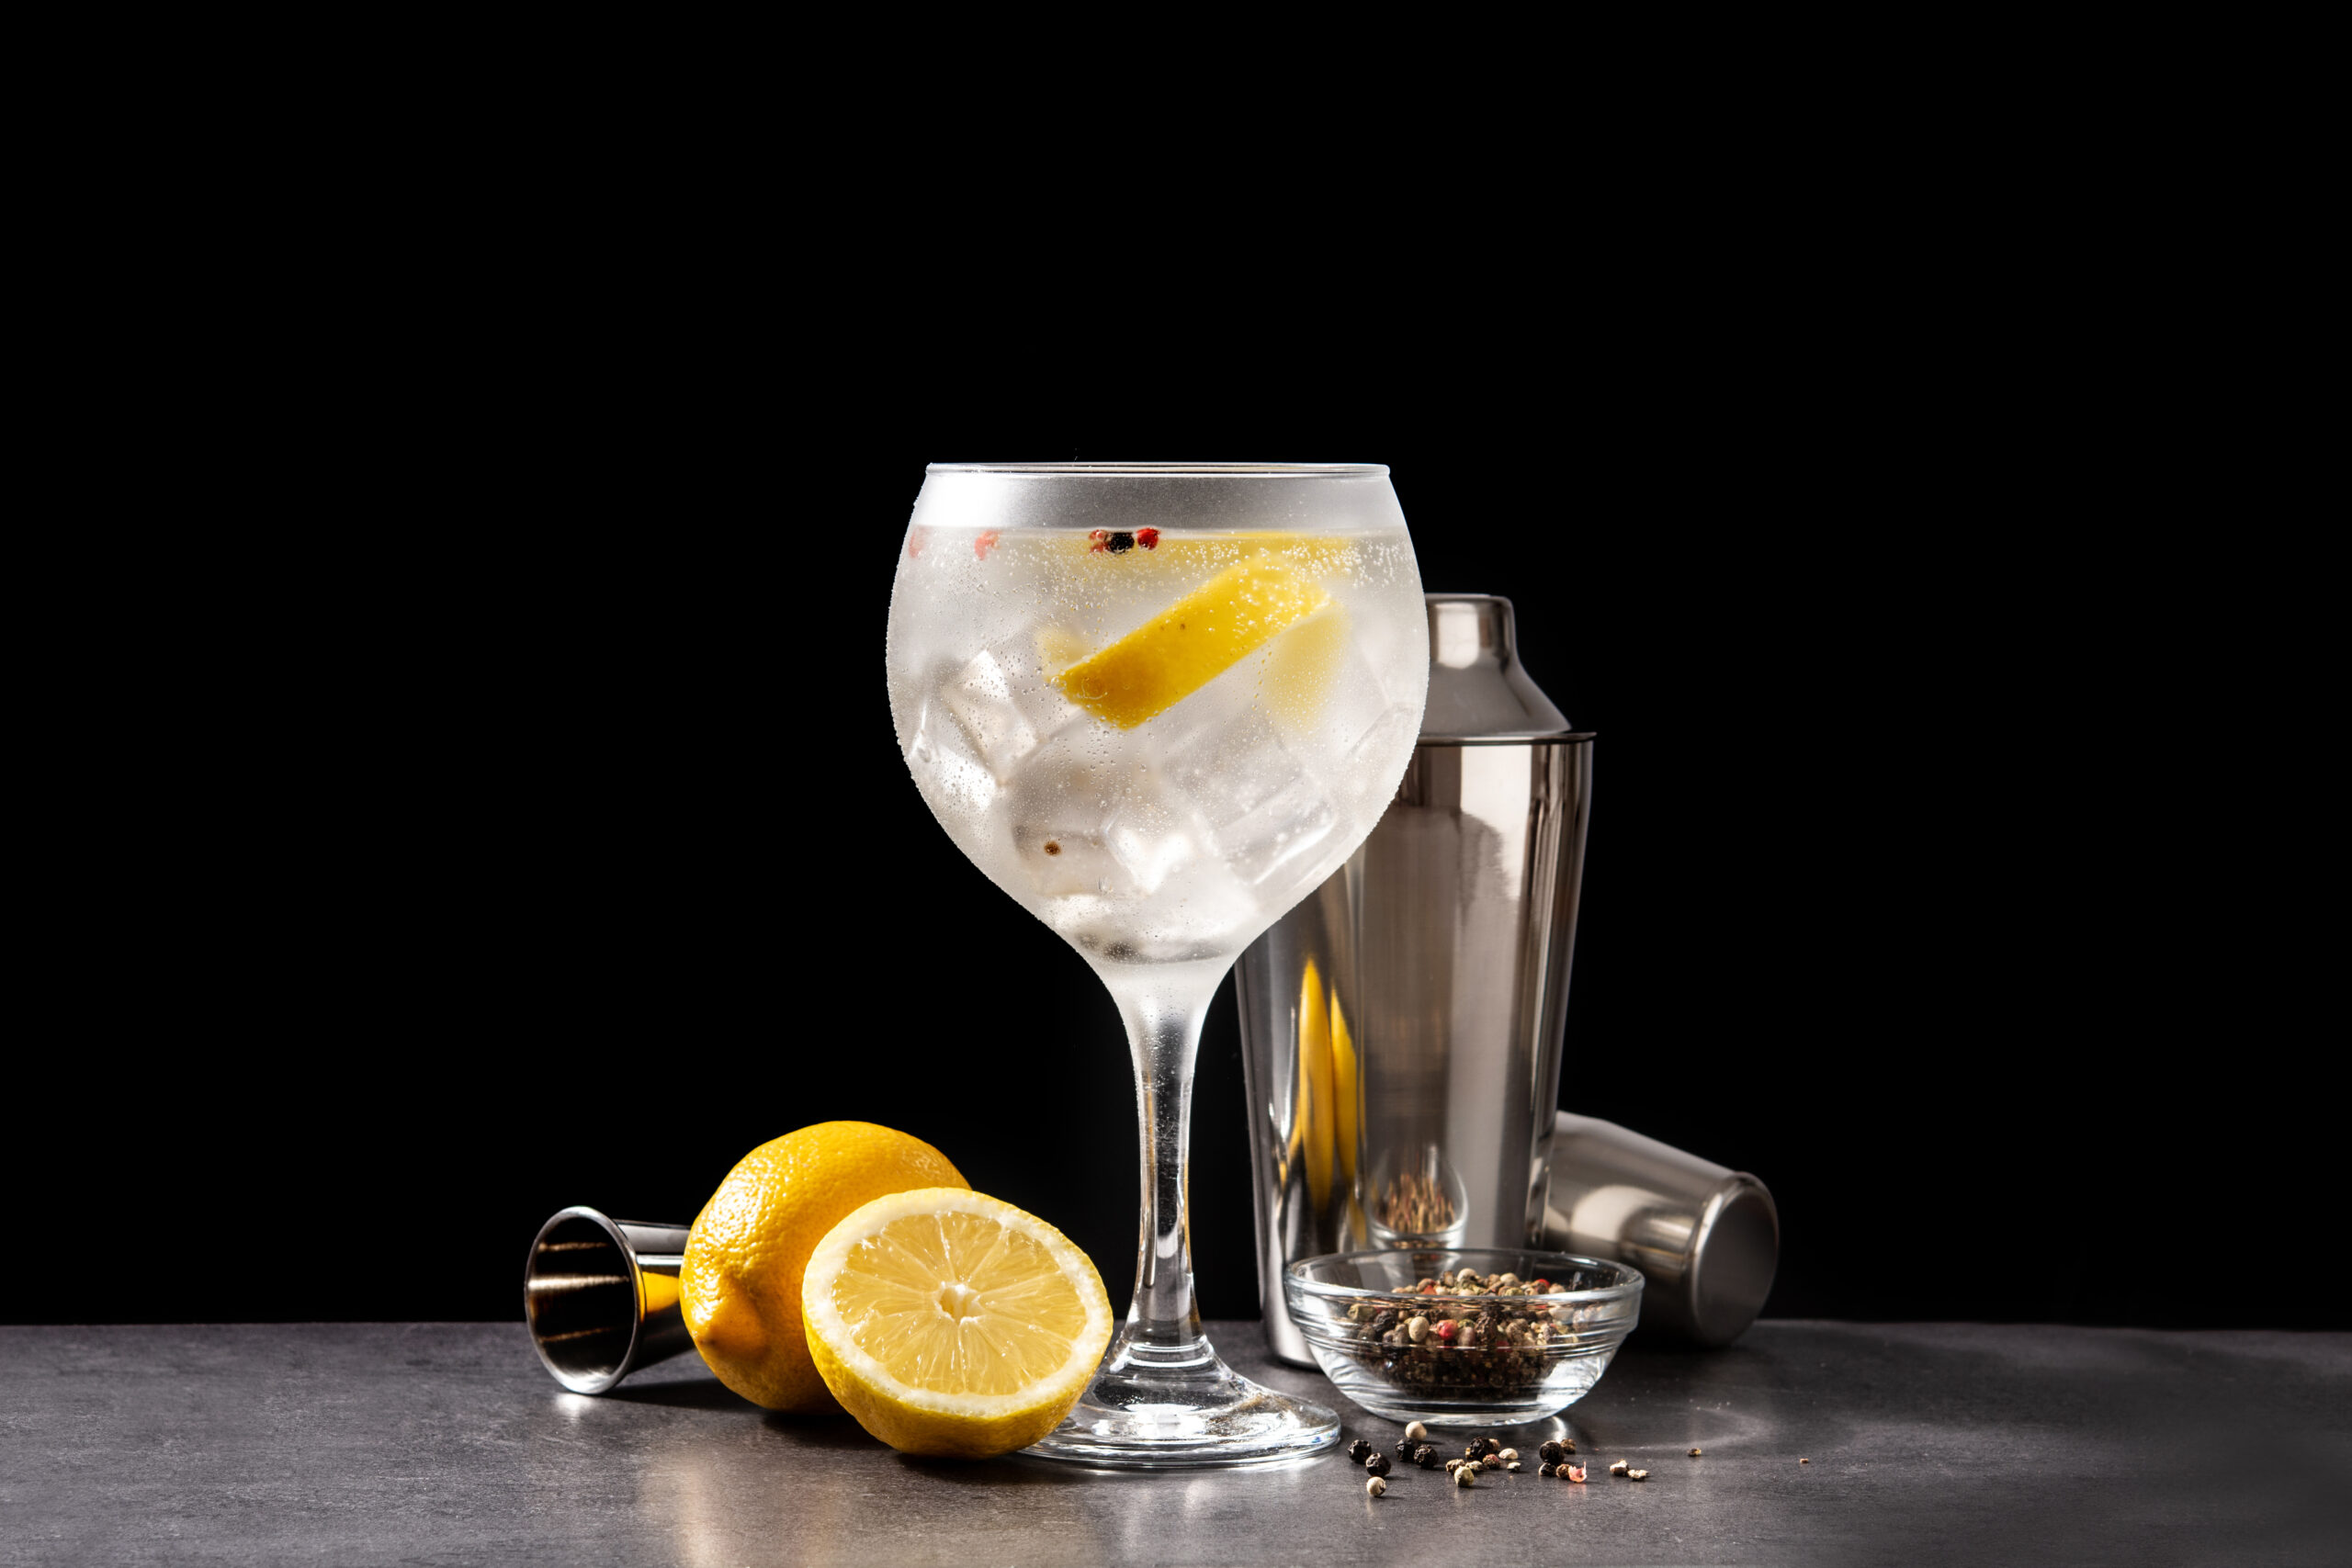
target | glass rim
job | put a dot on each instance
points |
(1173, 470)
(1628, 1281)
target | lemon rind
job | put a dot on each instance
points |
(1086, 1348)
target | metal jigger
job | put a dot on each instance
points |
(1706, 1238)
(601, 1297)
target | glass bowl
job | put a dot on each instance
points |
(1528, 1335)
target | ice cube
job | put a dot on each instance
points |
(1152, 838)
(1066, 862)
(1259, 804)
(1377, 756)
(1350, 702)
(1289, 822)
(1083, 823)
(1004, 706)
(939, 756)
(1064, 801)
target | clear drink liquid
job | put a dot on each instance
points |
(1180, 833)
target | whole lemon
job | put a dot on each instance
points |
(739, 1287)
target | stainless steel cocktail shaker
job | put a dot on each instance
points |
(1401, 1026)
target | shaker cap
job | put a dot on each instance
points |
(1478, 693)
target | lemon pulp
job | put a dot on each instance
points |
(957, 1303)
(951, 1323)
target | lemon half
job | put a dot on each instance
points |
(952, 1324)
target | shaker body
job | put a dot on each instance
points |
(1401, 1027)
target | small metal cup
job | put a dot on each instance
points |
(1706, 1237)
(601, 1297)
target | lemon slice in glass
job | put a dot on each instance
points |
(952, 1324)
(1192, 642)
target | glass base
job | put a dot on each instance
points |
(1184, 1409)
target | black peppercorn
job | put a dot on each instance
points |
(1426, 1456)
(1377, 1464)
(1552, 1453)
(1489, 1446)
(1358, 1450)
(1119, 544)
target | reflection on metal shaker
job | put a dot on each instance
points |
(1401, 1026)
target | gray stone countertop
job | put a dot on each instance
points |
(446, 1443)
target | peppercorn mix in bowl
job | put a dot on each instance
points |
(1463, 1337)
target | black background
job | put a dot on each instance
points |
(486, 801)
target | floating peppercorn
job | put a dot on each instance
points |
(1119, 544)
(1358, 1450)
(1148, 538)
(1377, 1464)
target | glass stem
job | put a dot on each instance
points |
(1164, 1007)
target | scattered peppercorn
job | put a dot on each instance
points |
(1543, 1468)
(1426, 1457)
(1377, 1464)
(1513, 1467)
(1415, 1430)
(1618, 1468)
(1568, 1446)
(1376, 1488)
(1550, 1452)
(1574, 1472)
(1466, 1476)
(1694, 1453)
(1508, 1454)
(1358, 1450)
(1637, 1475)
(1805, 1461)
(1490, 1462)
(1490, 1445)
